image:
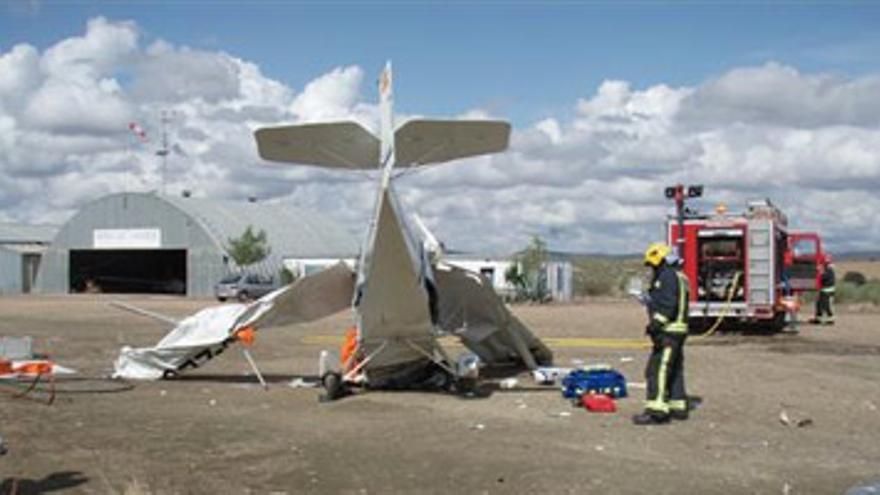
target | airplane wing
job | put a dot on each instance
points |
(344, 145)
(469, 308)
(206, 334)
(420, 142)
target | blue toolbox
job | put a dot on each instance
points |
(606, 381)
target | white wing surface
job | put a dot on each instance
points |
(344, 145)
(420, 142)
(206, 334)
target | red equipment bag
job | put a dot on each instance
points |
(599, 403)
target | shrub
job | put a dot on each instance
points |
(604, 276)
(855, 278)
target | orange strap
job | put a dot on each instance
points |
(246, 335)
(349, 346)
(5, 367)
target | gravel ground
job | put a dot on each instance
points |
(215, 431)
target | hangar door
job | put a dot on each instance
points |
(152, 271)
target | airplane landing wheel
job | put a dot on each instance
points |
(466, 386)
(334, 387)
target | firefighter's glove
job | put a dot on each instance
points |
(654, 327)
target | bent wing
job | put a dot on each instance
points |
(309, 298)
(206, 334)
(420, 142)
(344, 145)
(469, 308)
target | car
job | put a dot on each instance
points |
(244, 287)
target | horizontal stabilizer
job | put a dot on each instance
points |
(335, 145)
(420, 142)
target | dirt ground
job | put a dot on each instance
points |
(215, 431)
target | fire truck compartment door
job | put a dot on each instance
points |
(759, 274)
(804, 253)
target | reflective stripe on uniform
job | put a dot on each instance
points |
(659, 404)
(827, 290)
(678, 405)
(661, 318)
(680, 323)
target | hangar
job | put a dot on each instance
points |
(21, 249)
(153, 243)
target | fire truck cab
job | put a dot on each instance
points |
(740, 266)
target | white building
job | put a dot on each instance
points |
(558, 273)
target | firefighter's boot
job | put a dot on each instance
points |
(650, 418)
(679, 415)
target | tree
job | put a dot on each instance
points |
(250, 248)
(527, 273)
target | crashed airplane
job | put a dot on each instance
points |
(403, 295)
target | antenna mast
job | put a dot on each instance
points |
(166, 118)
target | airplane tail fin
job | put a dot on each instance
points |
(416, 143)
(386, 114)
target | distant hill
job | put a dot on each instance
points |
(858, 256)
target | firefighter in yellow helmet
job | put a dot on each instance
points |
(667, 303)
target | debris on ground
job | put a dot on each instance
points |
(563, 414)
(787, 420)
(300, 383)
(784, 419)
(626, 359)
(16, 348)
(508, 383)
(549, 375)
(478, 426)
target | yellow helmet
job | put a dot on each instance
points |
(656, 253)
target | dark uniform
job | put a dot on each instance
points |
(668, 309)
(825, 302)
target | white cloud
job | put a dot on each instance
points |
(168, 75)
(779, 95)
(593, 182)
(331, 96)
(104, 46)
(19, 71)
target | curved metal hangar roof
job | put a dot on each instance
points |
(145, 242)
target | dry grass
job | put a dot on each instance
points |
(870, 269)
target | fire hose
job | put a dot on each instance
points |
(724, 312)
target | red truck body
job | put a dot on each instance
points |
(740, 266)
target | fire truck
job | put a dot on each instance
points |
(744, 266)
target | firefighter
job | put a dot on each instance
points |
(667, 326)
(825, 301)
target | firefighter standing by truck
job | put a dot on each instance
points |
(825, 301)
(667, 303)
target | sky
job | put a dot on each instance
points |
(609, 101)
